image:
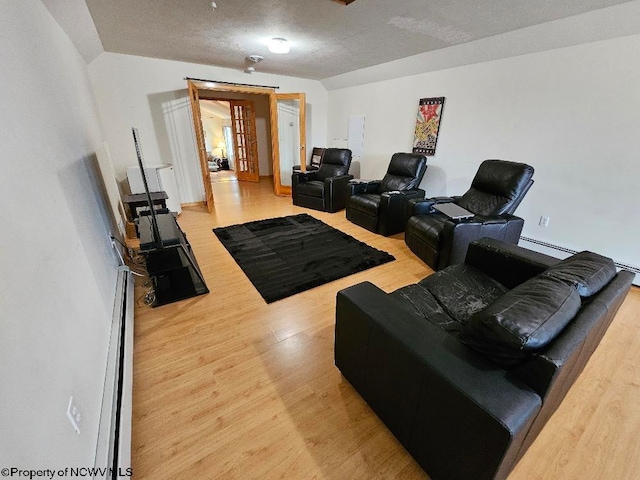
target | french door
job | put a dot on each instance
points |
(245, 142)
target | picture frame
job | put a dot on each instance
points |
(428, 120)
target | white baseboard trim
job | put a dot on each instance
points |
(113, 448)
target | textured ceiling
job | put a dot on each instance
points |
(327, 38)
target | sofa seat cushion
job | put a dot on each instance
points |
(587, 272)
(427, 228)
(463, 290)
(366, 202)
(313, 188)
(419, 300)
(522, 320)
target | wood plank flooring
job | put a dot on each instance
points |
(228, 387)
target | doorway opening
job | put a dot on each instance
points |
(216, 125)
(254, 116)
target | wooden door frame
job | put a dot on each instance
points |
(194, 99)
(270, 92)
(283, 190)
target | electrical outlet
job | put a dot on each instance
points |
(544, 221)
(74, 415)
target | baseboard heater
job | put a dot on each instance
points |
(113, 449)
(559, 248)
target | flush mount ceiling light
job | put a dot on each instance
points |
(279, 45)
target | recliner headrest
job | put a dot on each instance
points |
(407, 165)
(498, 187)
(503, 178)
(405, 172)
(335, 163)
(337, 156)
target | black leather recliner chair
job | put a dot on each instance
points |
(496, 191)
(326, 188)
(380, 205)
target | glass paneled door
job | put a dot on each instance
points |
(245, 142)
(288, 138)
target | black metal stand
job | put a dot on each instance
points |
(172, 266)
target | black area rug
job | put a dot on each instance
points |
(288, 255)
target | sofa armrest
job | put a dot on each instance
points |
(335, 192)
(509, 264)
(438, 397)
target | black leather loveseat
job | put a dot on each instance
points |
(467, 366)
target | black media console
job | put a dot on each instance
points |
(171, 264)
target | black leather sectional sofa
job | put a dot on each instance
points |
(467, 366)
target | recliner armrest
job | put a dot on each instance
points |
(357, 186)
(309, 168)
(496, 220)
(341, 178)
(335, 192)
(490, 220)
(415, 194)
(301, 177)
(393, 205)
(424, 206)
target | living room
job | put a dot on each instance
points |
(216, 394)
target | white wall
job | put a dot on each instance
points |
(151, 94)
(572, 113)
(212, 127)
(58, 269)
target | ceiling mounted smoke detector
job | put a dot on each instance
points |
(255, 58)
(279, 45)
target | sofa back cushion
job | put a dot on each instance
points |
(587, 272)
(523, 320)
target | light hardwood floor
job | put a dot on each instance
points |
(226, 386)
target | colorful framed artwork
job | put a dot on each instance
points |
(427, 125)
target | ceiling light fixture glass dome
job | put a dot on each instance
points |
(279, 45)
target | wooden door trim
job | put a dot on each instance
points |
(271, 92)
(284, 190)
(213, 86)
(200, 144)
